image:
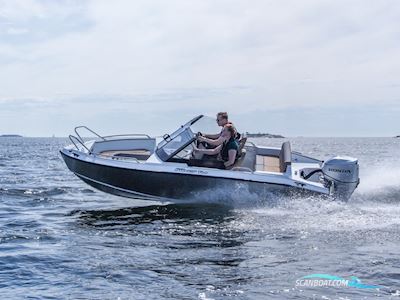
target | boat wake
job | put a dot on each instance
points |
(239, 196)
(381, 184)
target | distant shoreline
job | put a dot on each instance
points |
(264, 135)
(10, 135)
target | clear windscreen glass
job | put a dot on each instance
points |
(172, 145)
(205, 125)
(179, 143)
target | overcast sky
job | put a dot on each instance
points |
(298, 68)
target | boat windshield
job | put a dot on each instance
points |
(182, 138)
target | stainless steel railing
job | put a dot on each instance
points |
(78, 138)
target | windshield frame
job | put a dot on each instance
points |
(171, 138)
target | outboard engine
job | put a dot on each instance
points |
(341, 175)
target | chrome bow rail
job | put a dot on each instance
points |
(78, 138)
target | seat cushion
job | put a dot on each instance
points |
(267, 163)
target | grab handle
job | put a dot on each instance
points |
(72, 138)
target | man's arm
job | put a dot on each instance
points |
(216, 142)
(232, 157)
(211, 136)
(209, 151)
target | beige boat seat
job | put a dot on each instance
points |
(267, 163)
(277, 164)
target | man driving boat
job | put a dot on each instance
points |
(210, 141)
(224, 154)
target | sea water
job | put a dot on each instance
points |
(61, 239)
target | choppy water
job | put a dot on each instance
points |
(60, 239)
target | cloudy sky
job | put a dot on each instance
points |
(298, 68)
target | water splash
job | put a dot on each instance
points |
(377, 179)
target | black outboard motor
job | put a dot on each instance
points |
(341, 175)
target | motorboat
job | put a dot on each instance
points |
(164, 168)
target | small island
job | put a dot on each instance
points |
(397, 136)
(10, 135)
(264, 135)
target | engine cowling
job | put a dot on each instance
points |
(341, 173)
